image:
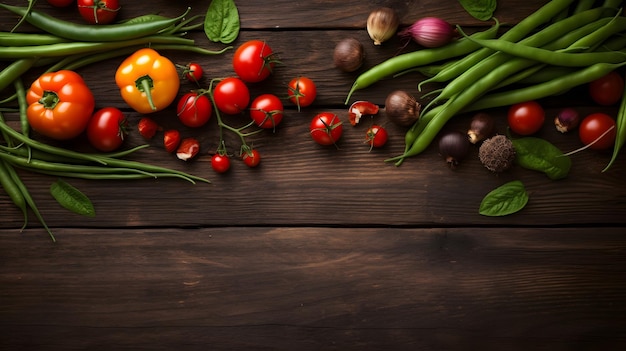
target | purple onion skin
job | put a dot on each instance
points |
(454, 147)
(430, 32)
(567, 120)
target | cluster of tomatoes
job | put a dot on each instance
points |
(596, 131)
(92, 11)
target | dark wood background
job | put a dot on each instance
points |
(319, 248)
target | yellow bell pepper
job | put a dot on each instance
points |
(148, 82)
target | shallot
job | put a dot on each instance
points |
(430, 32)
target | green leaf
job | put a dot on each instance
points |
(72, 198)
(504, 200)
(540, 155)
(479, 9)
(221, 23)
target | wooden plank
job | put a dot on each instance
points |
(315, 288)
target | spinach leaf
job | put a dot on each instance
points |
(72, 198)
(479, 9)
(540, 155)
(504, 200)
(221, 23)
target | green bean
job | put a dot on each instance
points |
(29, 200)
(29, 39)
(620, 134)
(516, 33)
(418, 58)
(113, 176)
(64, 49)
(12, 190)
(26, 151)
(23, 105)
(583, 5)
(84, 32)
(14, 70)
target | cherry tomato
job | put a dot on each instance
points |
(107, 128)
(220, 163)
(171, 140)
(231, 95)
(607, 90)
(251, 158)
(98, 11)
(302, 91)
(193, 72)
(326, 128)
(60, 3)
(376, 136)
(593, 126)
(194, 110)
(254, 61)
(526, 118)
(266, 111)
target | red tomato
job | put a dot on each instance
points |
(526, 118)
(194, 110)
(266, 111)
(254, 61)
(193, 72)
(60, 3)
(231, 95)
(376, 136)
(302, 91)
(251, 158)
(98, 11)
(326, 128)
(593, 126)
(220, 163)
(107, 128)
(171, 140)
(607, 90)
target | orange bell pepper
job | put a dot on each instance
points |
(148, 82)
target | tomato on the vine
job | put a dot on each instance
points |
(253, 61)
(376, 136)
(607, 90)
(107, 128)
(251, 157)
(302, 91)
(526, 118)
(193, 72)
(326, 128)
(266, 111)
(98, 11)
(220, 163)
(231, 95)
(194, 110)
(592, 128)
(60, 3)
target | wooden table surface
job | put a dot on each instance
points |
(318, 248)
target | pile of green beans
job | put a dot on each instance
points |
(68, 45)
(562, 45)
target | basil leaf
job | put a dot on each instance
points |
(540, 155)
(72, 198)
(504, 200)
(479, 9)
(221, 23)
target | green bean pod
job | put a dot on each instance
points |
(29, 39)
(85, 32)
(14, 70)
(13, 190)
(620, 134)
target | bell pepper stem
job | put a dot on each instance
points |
(145, 84)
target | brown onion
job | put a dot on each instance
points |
(348, 55)
(481, 128)
(402, 108)
(382, 24)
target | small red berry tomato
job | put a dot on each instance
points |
(194, 110)
(302, 91)
(526, 118)
(254, 61)
(98, 11)
(607, 90)
(598, 131)
(266, 111)
(251, 157)
(376, 136)
(220, 163)
(231, 95)
(171, 140)
(193, 72)
(107, 128)
(326, 128)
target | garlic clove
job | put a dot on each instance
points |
(382, 24)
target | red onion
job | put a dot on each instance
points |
(430, 32)
(566, 120)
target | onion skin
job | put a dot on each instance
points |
(454, 147)
(348, 55)
(567, 120)
(481, 127)
(401, 108)
(382, 24)
(430, 32)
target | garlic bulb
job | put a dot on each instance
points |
(382, 24)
